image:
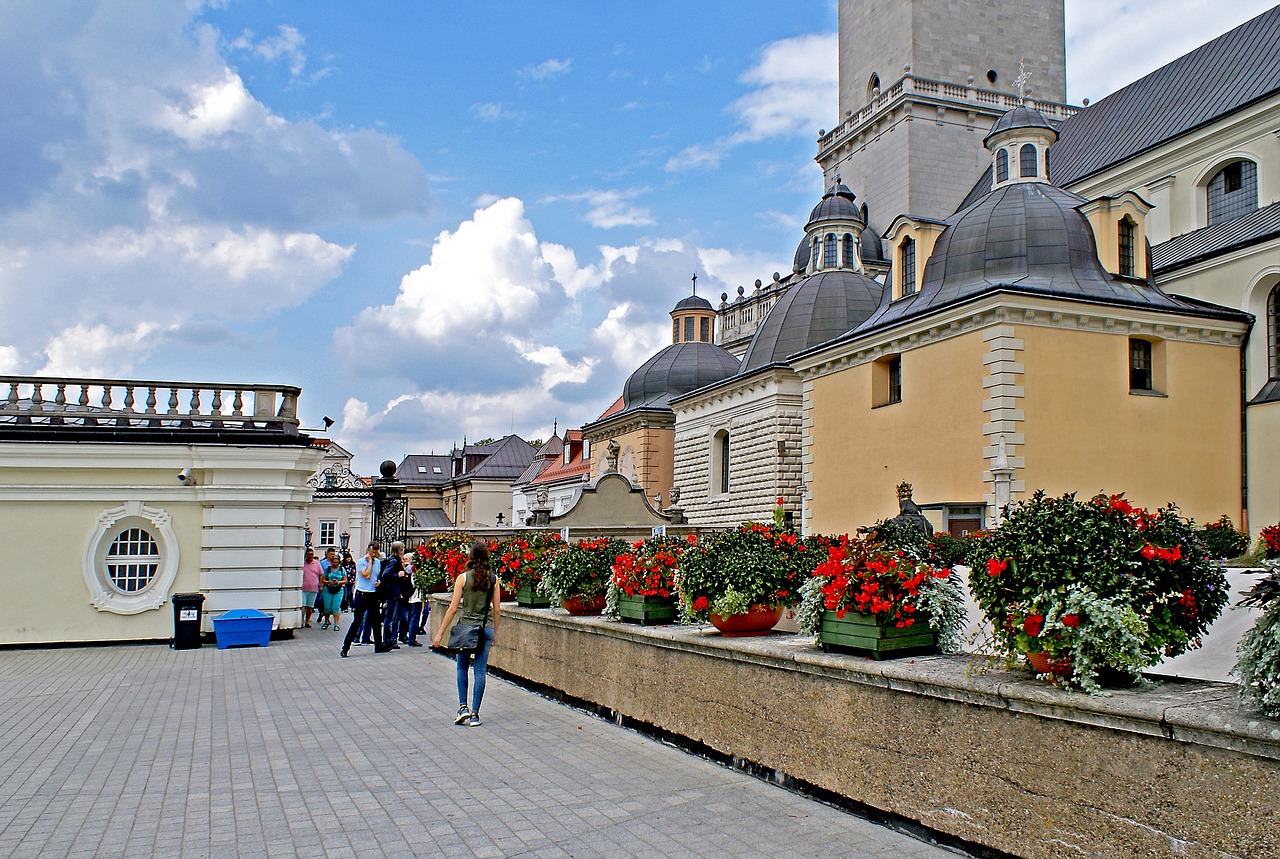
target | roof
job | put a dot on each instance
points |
(430, 519)
(420, 469)
(1020, 117)
(505, 459)
(677, 369)
(692, 302)
(1216, 79)
(814, 310)
(1208, 242)
(1028, 237)
(836, 204)
(549, 452)
(612, 410)
(558, 469)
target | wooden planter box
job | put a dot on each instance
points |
(647, 611)
(863, 634)
(530, 598)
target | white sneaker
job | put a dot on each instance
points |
(474, 720)
(464, 715)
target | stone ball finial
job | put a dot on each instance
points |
(724, 296)
(742, 290)
(758, 283)
(776, 277)
(387, 469)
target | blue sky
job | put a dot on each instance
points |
(439, 219)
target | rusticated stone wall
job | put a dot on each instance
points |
(992, 757)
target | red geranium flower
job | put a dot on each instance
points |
(1033, 625)
(701, 604)
(1071, 620)
(995, 567)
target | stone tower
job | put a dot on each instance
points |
(921, 84)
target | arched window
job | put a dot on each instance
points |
(132, 560)
(675, 330)
(1002, 165)
(1127, 236)
(829, 251)
(907, 263)
(847, 251)
(1233, 191)
(1273, 333)
(704, 334)
(873, 86)
(1027, 161)
(814, 258)
(688, 328)
(1046, 164)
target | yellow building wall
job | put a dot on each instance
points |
(653, 454)
(45, 594)
(1086, 433)
(932, 439)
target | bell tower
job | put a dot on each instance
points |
(921, 84)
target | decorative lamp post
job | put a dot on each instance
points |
(345, 539)
(306, 536)
(389, 506)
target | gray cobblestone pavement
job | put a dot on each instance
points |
(290, 751)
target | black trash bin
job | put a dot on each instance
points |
(186, 620)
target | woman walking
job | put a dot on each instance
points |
(310, 586)
(331, 595)
(475, 592)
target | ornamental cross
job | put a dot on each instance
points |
(1021, 80)
(695, 284)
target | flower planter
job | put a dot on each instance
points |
(1043, 663)
(528, 597)
(584, 605)
(505, 595)
(866, 634)
(758, 620)
(646, 611)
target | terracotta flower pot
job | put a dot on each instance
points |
(1043, 663)
(584, 605)
(758, 620)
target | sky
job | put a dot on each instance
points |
(442, 221)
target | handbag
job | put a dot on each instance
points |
(467, 637)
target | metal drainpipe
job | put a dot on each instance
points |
(1244, 440)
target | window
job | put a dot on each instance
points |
(704, 334)
(1273, 333)
(1027, 160)
(675, 330)
(814, 257)
(1046, 164)
(1140, 366)
(907, 258)
(829, 252)
(688, 328)
(847, 261)
(132, 560)
(1127, 232)
(873, 86)
(886, 381)
(328, 532)
(720, 463)
(992, 77)
(1233, 191)
(1002, 165)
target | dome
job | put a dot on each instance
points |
(869, 247)
(677, 369)
(836, 204)
(1020, 117)
(803, 250)
(692, 302)
(1027, 236)
(819, 308)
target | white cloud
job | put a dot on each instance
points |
(738, 268)
(628, 340)
(547, 69)
(97, 351)
(9, 359)
(794, 91)
(491, 111)
(608, 209)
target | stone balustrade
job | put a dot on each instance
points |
(53, 402)
(981, 99)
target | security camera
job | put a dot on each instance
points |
(185, 478)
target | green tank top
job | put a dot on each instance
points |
(474, 602)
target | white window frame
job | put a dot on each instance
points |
(103, 594)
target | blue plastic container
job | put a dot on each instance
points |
(243, 627)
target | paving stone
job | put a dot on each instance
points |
(288, 750)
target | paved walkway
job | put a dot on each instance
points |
(290, 751)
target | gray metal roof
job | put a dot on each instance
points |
(1020, 117)
(1025, 237)
(677, 369)
(410, 470)
(430, 519)
(814, 310)
(1208, 242)
(837, 203)
(692, 302)
(505, 459)
(1212, 81)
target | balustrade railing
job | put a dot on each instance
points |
(927, 87)
(126, 403)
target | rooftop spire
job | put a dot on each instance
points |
(1021, 80)
(695, 283)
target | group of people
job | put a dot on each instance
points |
(386, 604)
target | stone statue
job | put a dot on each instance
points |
(543, 495)
(611, 455)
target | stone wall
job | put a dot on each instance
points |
(990, 757)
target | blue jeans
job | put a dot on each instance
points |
(410, 617)
(366, 614)
(481, 669)
(391, 622)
